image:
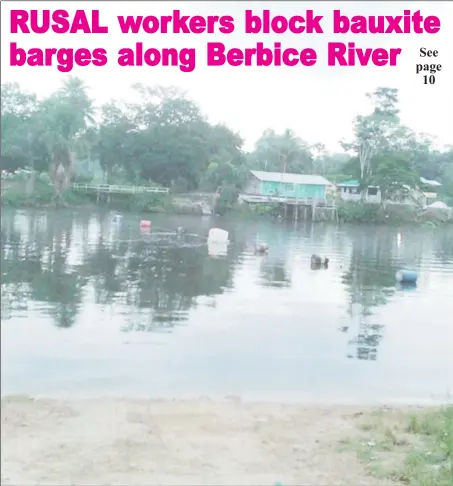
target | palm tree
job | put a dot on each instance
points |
(66, 115)
(281, 152)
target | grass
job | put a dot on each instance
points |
(414, 448)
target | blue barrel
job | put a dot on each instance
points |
(406, 287)
(406, 276)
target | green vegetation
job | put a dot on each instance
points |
(15, 193)
(163, 139)
(411, 448)
(358, 212)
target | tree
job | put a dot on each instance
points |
(393, 175)
(381, 128)
(227, 165)
(383, 146)
(164, 138)
(115, 138)
(282, 153)
(22, 133)
(18, 110)
(16, 103)
(64, 118)
(171, 140)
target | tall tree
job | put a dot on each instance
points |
(164, 138)
(381, 146)
(283, 153)
(66, 116)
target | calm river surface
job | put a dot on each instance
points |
(90, 306)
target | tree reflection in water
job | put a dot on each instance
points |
(370, 281)
(443, 248)
(157, 286)
(35, 268)
(55, 263)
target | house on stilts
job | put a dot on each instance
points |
(302, 196)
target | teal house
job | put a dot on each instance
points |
(276, 185)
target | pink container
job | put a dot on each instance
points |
(144, 223)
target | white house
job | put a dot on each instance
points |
(350, 191)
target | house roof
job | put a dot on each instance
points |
(429, 182)
(438, 204)
(356, 183)
(290, 178)
(350, 183)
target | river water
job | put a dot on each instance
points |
(91, 306)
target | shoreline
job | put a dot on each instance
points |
(188, 441)
(15, 198)
(297, 400)
(391, 221)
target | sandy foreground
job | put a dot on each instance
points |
(193, 442)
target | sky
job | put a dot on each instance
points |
(319, 103)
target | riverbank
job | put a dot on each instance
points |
(14, 194)
(193, 442)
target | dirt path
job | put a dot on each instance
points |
(117, 442)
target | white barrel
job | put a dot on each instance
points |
(217, 249)
(217, 235)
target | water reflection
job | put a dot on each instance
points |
(443, 246)
(274, 273)
(76, 270)
(370, 280)
(158, 284)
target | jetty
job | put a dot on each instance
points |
(109, 189)
(118, 189)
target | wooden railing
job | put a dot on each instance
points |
(117, 189)
(253, 198)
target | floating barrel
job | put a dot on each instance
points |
(145, 223)
(406, 286)
(217, 235)
(217, 249)
(406, 276)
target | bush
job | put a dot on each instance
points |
(358, 212)
(149, 202)
(226, 200)
(14, 194)
(83, 179)
(44, 177)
